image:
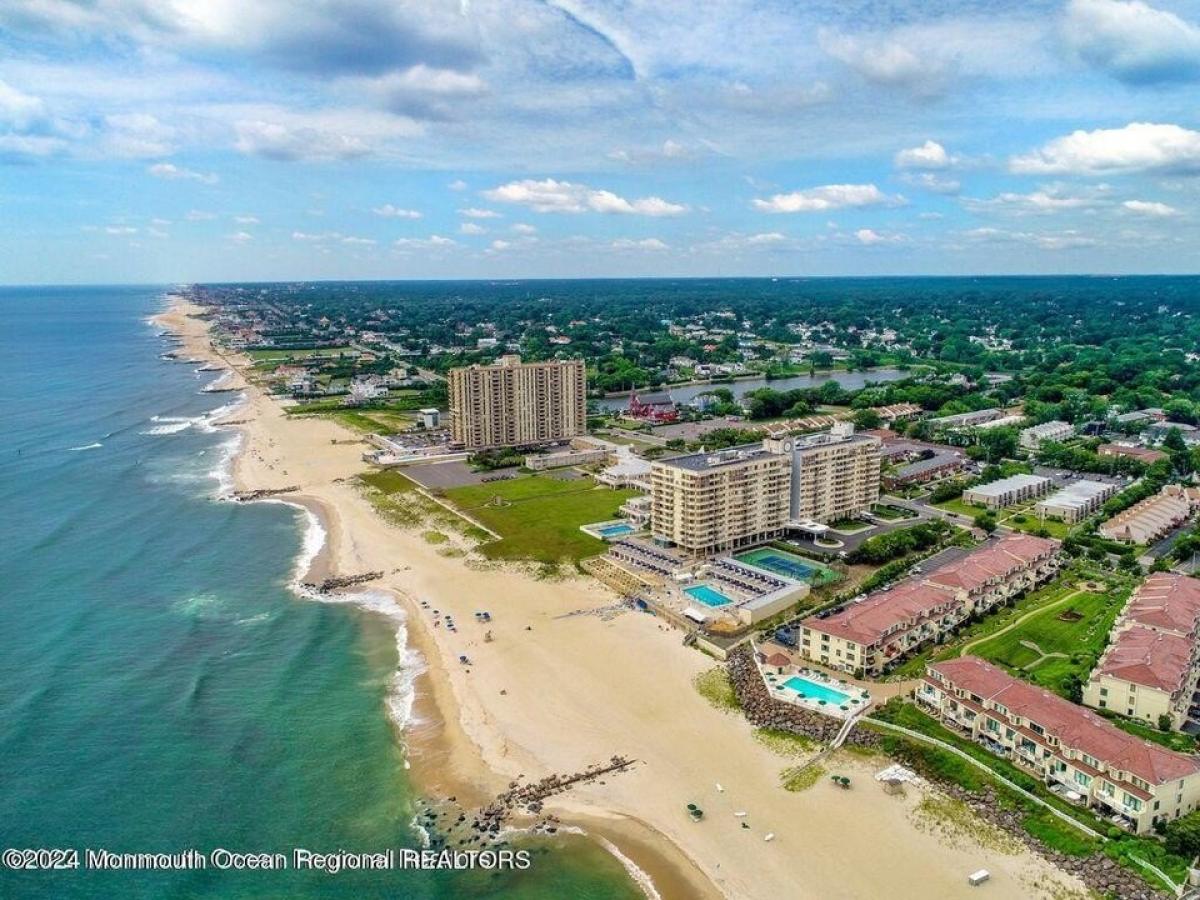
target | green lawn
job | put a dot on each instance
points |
(1076, 643)
(298, 353)
(890, 513)
(960, 506)
(542, 515)
(1054, 527)
(1176, 740)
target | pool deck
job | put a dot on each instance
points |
(768, 650)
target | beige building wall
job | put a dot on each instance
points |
(515, 404)
(707, 509)
(1128, 699)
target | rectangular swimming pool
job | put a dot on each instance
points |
(815, 691)
(707, 595)
(618, 530)
(789, 565)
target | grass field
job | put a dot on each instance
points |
(960, 506)
(298, 353)
(1065, 638)
(541, 516)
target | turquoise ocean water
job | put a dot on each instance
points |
(161, 688)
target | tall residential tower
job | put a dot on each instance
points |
(515, 404)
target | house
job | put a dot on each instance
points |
(1062, 744)
(1007, 491)
(936, 465)
(654, 407)
(1076, 501)
(1141, 454)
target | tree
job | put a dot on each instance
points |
(1164, 722)
(986, 521)
(1183, 835)
(1073, 687)
(867, 418)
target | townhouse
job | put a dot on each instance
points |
(871, 636)
(1131, 781)
(1150, 667)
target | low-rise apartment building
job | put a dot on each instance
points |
(1007, 491)
(1141, 454)
(1150, 519)
(1032, 438)
(1076, 501)
(922, 471)
(871, 636)
(1061, 743)
(1152, 663)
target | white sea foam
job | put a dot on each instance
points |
(639, 875)
(94, 446)
(217, 384)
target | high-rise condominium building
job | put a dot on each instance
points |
(835, 474)
(713, 502)
(710, 502)
(515, 404)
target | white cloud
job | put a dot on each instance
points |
(1049, 199)
(499, 245)
(471, 228)
(137, 135)
(315, 237)
(246, 220)
(1132, 40)
(523, 228)
(1138, 147)
(1150, 208)
(1061, 240)
(120, 229)
(433, 242)
(388, 211)
(199, 215)
(869, 237)
(886, 60)
(172, 172)
(421, 91)
(473, 212)
(549, 195)
(18, 109)
(359, 241)
(241, 237)
(826, 197)
(643, 244)
(765, 239)
(277, 141)
(457, 185)
(930, 181)
(930, 155)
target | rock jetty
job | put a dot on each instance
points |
(344, 581)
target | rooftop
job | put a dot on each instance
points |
(1075, 727)
(1011, 483)
(702, 461)
(1149, 658)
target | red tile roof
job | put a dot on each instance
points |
(867, 621)
(1149, 658)
(1167, 602)
(1144, 454)
(1075, 727)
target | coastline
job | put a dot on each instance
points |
(592, 688)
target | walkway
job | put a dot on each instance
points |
(1019, 621)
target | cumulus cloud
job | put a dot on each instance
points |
(388, 211)
(1150, 208)
(137, 135)
(827, 197)
(550, 195)
(277, 141)
(422, 91)
(1060, 240)
(765, 239)
(930, 155)
(523, 228)
(471, 228)
(246, 220)
(359, 241)
(241, 237)
(172, 172)
(1049, 199)
(474, 212)
(1133, 41)
(1138, 147)
(17, 109)
(886, 60)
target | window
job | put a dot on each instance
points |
(1131, 801)
(1082, 780)
(1103, 692)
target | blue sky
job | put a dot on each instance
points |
(180, 140)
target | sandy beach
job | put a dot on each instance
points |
(556, 691)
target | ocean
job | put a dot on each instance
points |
(162, 686)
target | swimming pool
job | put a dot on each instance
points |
(789, 565)
(707, 595)
(815, 691)
(619, 530)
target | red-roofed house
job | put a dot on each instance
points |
(1152, 663)
(1062, 743)
(871, 636)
